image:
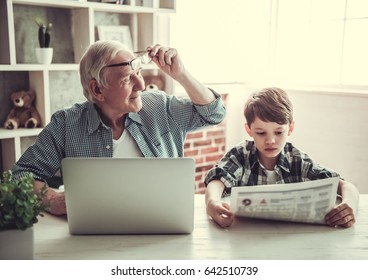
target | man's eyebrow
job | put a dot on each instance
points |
(125, 72)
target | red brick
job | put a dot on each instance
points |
(186, 145)
(202, 186)
(219, 140)
(211, 141)
(198, 177)
(209, 150)
(213, 158)
(195, 135)
(203, 168)
(215, 133)
(202, 142)
(190, 153)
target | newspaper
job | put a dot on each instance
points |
(306, 202)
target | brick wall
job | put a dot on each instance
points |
(206, 147)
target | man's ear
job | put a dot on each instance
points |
(291, 128)
(95, 90)
(247, 128)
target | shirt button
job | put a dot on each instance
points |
(108, 147)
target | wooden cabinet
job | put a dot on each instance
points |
(75, 25)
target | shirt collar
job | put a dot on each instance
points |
(135, 117)
(94, 120)
(283, 162)
(253, 155)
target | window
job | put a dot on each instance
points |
(355, 52)
(304, 42)
(222, 41)
(320, 42)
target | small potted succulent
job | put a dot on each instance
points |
(44, 52)
(19, 211)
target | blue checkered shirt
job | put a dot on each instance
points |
(241, 167)
(159, 129)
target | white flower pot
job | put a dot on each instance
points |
(16, 244)
(44, 55)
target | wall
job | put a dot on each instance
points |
(330, 126)
(206, 147)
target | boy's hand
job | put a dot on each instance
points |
(220, 213)
(341, 215)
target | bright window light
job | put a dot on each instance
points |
(304, 42)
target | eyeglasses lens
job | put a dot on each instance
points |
(136, 63)
(146, 58)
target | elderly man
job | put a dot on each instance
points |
(120, 119)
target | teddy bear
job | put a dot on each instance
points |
(23, 113)
(154, 82)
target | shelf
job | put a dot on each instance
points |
(39, 67)
(19, 132)
(51, 3)
(75, 27)
(102, 7)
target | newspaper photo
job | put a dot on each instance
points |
(306, 202)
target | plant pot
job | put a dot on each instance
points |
(44, 55)
(16, 244)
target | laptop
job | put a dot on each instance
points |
(129, 195)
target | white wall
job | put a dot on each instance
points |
(331, 127)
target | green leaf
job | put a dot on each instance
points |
(19, 205)
(38, 21)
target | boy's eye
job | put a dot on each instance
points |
(279, 132)
(260, 133)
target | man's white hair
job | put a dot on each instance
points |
(92, 64)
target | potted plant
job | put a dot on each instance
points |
(19, 211)
(44, 52)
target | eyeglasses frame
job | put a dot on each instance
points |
(139, 55)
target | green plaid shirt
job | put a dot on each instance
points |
(159, 130)
(241, 167)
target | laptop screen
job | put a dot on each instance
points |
(129, 195)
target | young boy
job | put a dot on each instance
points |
(269, 159)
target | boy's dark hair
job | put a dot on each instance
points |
(269, 105)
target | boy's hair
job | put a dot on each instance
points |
(269, 105)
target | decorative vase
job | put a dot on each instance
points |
(16, 244)
(44, 55)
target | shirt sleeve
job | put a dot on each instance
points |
(230, 169)
(309, 169)
(43, 158)
(190, 116)
(316, 171)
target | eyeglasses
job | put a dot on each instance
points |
(142, 57)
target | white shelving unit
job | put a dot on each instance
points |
(75, 28)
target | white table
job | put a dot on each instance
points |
(245, 239)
